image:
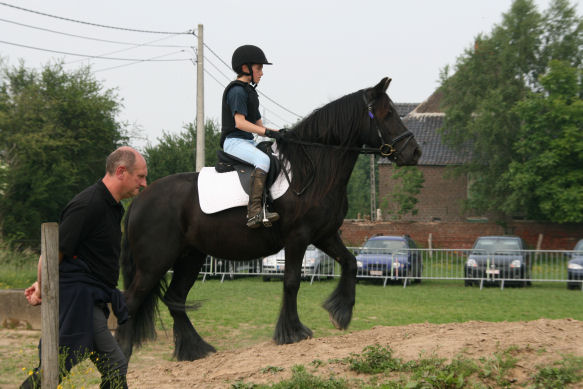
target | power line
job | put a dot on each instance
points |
(190, 32)
(276, 115)
(120, 51)
(227, 77)
(134, 60)
(138, 61)
(217, 69)
(216, 55)
(279, 105)
(95, 24)
(214, 78)
(93, 56)
(261, 93)
(95, 39)
(224, 86)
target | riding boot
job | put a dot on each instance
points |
(255, 215)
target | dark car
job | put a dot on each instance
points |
(394, 257)
(315, 263)
(496, 258)
(575, 267)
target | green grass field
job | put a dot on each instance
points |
(17, 269)
(255, 303)
(252, 306)
(242, 312)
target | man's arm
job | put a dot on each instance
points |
(33, 292)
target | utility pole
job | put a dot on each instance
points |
(200, 152)
(373, 197)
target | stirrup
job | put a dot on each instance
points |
(267, 222)
(255, 221)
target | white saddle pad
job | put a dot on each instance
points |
(220, 191)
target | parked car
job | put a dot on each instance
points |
(315, 263)
(495, 258)
(390, 256)
(575, 267)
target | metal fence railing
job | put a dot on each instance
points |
(474, 268)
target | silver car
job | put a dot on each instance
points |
(315, 263)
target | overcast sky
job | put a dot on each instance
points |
(321, 50)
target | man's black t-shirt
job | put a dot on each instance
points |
(90, 230)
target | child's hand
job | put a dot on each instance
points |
(275, 134)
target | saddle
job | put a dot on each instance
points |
(228, 163)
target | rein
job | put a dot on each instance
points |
(388, 150)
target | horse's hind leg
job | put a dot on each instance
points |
(341, 302)
(141, 296)
(188, 343)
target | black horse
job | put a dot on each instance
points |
(166, 229)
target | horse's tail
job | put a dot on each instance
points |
(143, 318)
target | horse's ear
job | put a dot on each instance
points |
(378, 90)
(382, 86)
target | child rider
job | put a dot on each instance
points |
(241, 119)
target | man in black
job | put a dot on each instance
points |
(89, 248)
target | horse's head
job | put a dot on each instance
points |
(384, 128)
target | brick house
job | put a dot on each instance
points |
(443, 194)
(441, 218)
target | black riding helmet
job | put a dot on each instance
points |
(247, 55)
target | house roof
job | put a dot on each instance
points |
(405, 109)
(425, 122)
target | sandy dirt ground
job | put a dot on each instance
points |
(536, 343)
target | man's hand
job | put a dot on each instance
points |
(32, 294)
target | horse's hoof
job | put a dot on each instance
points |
(299, 333)
(334, 322)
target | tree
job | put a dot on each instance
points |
(177, 153)
(402, 199)
(490, 80)
(358, 190)
(546, 177)
(56, 129)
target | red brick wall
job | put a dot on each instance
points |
(458, 235)
(440, 198)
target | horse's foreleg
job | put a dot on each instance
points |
(289, 329)
(188, 343)
(341, 302)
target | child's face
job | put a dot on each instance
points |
(257, 72)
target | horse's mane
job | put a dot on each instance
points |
(315, 167)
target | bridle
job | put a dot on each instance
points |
(387, 149)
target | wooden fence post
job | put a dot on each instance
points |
(50, 305)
